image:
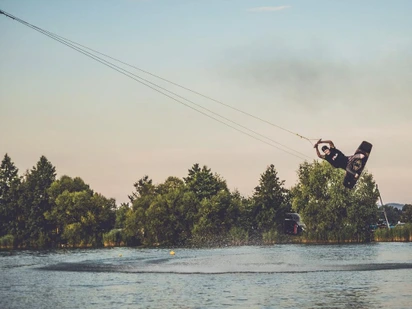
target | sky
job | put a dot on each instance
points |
(338, 70)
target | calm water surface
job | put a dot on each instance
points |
(280, 276)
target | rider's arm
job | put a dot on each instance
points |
(318, 153)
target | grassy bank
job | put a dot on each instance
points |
(398, 233)
(115, 238)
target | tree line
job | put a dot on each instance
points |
(37, 210)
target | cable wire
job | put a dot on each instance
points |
(72, 44)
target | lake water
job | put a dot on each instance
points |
(377, 275)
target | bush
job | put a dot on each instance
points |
(6, 241)
(398, 233)
(72, 234)
(273, 236)
(238, 236)
(114, 238)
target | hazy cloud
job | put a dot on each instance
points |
(269, 8)
(320, 80)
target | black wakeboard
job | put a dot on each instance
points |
(357, 165)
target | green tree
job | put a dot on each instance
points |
(188, 208)
(69, 215)
(163, 222)
(144, 187)
(214, 218)
(35, 202)
(121, 214)
(241, 212)
(57, 216)
(392, 213)
(362, 211)
(79, 215)
(9, 195)
(133, 231)
(170, 184)
(270, 202)
(141, 200)
(66, 183)
(164, 214)
(320, 199)
(203, 183)
(407, 213)
(208, 213)
(100, 218)
(171, 197)
(329, 210)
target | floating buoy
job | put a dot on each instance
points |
(172, 253)
(120, 255)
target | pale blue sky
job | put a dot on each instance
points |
(339, 70)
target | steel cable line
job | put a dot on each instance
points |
(139, 79)
(185, 88)
(181, 97)
(188, 89)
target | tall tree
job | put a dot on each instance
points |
(270, 201)
(69, 198)
(69, 216)
(100, 218)
(214, 218)
(79, 216)
(144, 186)
(242, 209)
(363, 211)
(165, 218)
(121, 214)
(163, 223)
(141, 200)
(35, 202)
(329, 210)
(66, 183)
(320, 198)
(203, 183)
(9, 187)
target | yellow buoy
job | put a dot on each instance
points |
(172, 253)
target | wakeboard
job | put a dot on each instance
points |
(357, 165)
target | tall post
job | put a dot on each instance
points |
(383, 207)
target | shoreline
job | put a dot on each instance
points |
(302, 241)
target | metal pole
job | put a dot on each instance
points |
(383, 207)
